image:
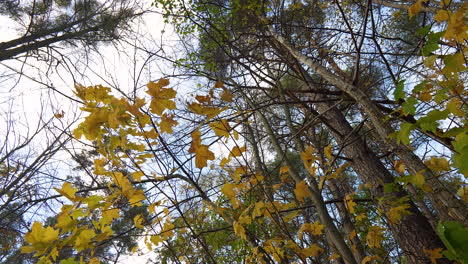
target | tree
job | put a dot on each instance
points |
(320, 164)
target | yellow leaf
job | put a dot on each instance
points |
(315, 229)
(284, 170)
(60, 114)
(83, 240)
(308, 158)
(244, 219)
(94, 261)
(135, 197)
(65, 222)
(418, 179)
(328, 152)
(203, 99)
(226, 95)
(156, 240)
(219, 84)
(228, 190)
(67, 191)
(399, 167)
(334, 256)
(361, 216)
(375, 237)
(457, 28)
(442, 15)
(224, 161)
(161, 97)
(137, 175)
(239, 230)
(258, 209)
(444, 3)
(221, 128)
(302, 191)
(455, 107)
(209, 111)
(425, 96)
(438, 164)
(202, 153)
(416, 8)
(167, 230)
(463, 193)
(106, 233)
(138, 220)
(396, 213)
(434, 254)
(237, 152)
(368, 259)
(312, 251)
(167, 122)
(40, 238)
(350, 204)
(109, 215)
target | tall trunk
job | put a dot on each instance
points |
(413, 232)
(332, 231)
(447, 204)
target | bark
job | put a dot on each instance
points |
(447, 204)
(322, 211)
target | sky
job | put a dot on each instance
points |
(26, 99)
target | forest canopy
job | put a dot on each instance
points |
(234, 131)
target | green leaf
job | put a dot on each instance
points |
(429, 47)
(389, 187)
(70, 260)
(454, 63)
(399, 92)
(455, 238)
(419, 87)
(409, 106)
(423, 31)
(429, 122)
(403, 135)
(460, 157)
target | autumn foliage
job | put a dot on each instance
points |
(295, 190)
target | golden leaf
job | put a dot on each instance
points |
(438, 164)
(167, 122)
(396, 213)
(315, 229)
(237, 152)
(227, 96)
(138, 220)
(375, 237)
(399, 166)
(328, 152)
(312, 251)
(442, 15)
(161, 97)
(368, 259)
(434, 254)
(302, 191)
(350, 204)
(221, 128)
(83, 240)
(239, 230)
(463, 193)
(40, 238)
(67, 191)
(60, 114)
(228, 189)
(416, 8)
